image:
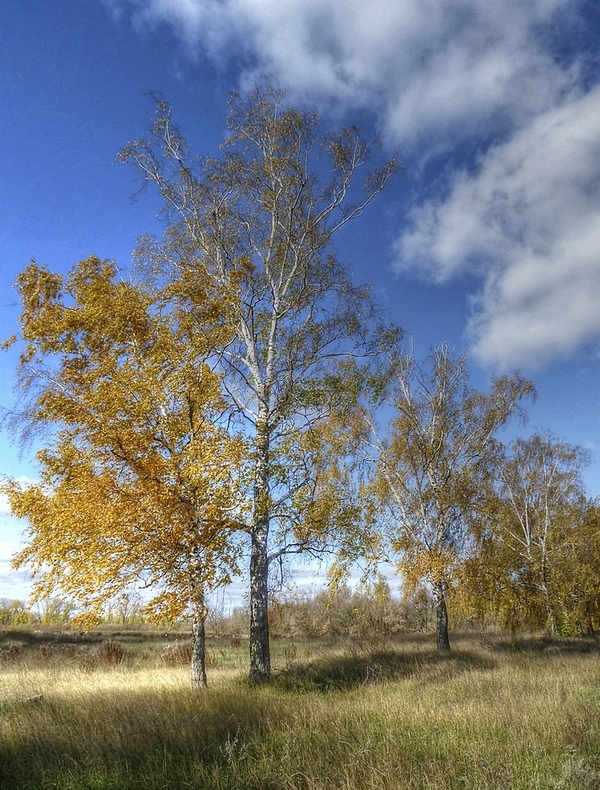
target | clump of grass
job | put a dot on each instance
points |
(482, 717)
(110, 652)
(177, 655)
(11, 652)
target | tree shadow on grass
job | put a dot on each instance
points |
(547, 646)
(344, 673)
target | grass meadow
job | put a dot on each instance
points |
(120, 714)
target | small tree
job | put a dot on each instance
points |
(530, 556)
(433, 467)
(139, 482)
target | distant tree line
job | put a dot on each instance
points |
(127, 609)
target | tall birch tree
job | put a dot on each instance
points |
(263, 216)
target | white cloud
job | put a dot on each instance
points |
(208, 25)
(14, 585)
(439, 73)
(529, 222)
(426, 66)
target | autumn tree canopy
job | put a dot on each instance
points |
(535, 565)
(140, 482)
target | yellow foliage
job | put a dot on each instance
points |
(138, 479)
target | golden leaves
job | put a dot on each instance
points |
(137, 471)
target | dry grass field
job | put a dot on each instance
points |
(120, 714)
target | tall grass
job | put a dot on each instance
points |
(489, 715)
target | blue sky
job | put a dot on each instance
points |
(490, 241)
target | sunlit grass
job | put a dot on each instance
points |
(486, 716)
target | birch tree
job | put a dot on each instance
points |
(139, 482)
(261, 218)
(433, 467)
(531, 565)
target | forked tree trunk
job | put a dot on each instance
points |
(441, 618)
